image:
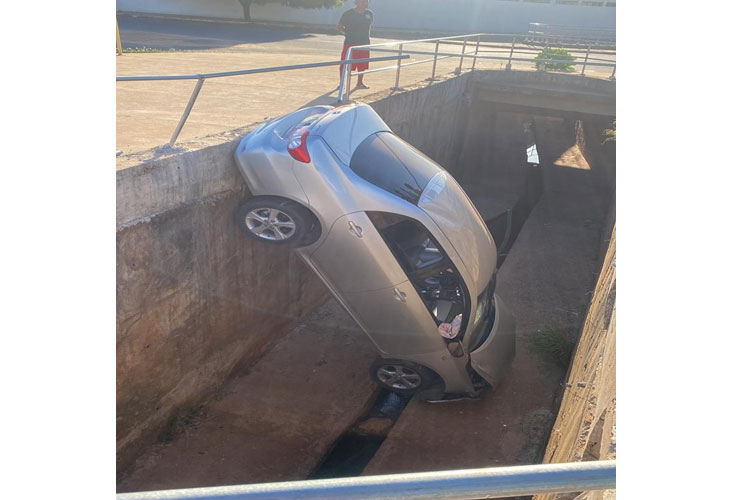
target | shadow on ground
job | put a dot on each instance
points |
(176, 34)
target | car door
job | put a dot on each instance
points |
(354, 258)
(396, 320)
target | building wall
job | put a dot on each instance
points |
(459, 16)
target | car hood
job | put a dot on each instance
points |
(451, 209)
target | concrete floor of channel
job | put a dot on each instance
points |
(279, 419)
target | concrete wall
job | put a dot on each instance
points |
(195, 297)
(585, 428)
(460, 16)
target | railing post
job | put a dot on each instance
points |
(119, 43)
(612, 76)
(343, 77)
(476, 52)
(186, 113)
(512, 46)
(434, 61)
(348, 80)
(461, 61)
(398, 67)
(585, 60)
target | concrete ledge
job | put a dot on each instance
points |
(161, 185)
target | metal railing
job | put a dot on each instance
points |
(572, 32)
(495, 482)
(203, 77)
(475, 45)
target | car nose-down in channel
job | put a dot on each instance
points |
(392, 235)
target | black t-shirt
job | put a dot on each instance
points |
(357, 26)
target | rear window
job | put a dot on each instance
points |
(391, 164)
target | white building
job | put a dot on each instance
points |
(455, 16)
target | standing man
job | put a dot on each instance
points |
(355, 25)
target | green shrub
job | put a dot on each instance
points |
(548, 54)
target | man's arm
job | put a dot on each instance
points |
(341, 28)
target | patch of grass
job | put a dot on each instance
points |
(551, 347)
(610, 134)
(548, 54)
(144, 50)
(177, 422)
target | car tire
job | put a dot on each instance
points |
(276, 221)
(404, 377)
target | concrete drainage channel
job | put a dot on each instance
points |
(354, 450)
(351, 454)
(184, 270)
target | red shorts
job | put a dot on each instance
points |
(356, 54)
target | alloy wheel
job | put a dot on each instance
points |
(270, 224)
(399, 377)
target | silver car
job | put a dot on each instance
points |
(395, 239)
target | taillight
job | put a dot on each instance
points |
(297, 145)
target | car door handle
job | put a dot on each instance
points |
(399, 295)
(355, 229)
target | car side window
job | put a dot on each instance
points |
(391, 164)
(432, 273)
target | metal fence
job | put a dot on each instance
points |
(203, 77)
(479, 45)
(585, 53)
(495, 482)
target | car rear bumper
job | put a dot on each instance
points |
(492, 358)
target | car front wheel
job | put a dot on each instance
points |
(403, 377)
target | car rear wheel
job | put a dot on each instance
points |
(403, 377)
(277, 221)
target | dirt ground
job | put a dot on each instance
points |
(273, 423)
